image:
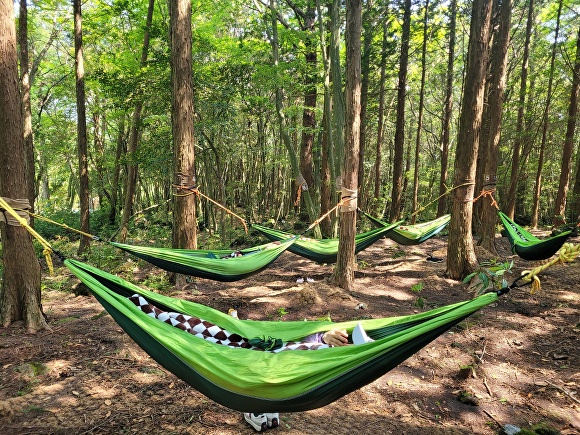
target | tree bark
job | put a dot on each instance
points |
(343, 274)
(182, 117)
(397, 189)
(134, 136)
(566, 169)
(82, 141)
(420, 115)
(510, 206)
(442, 205)
(490, 151)
(545, 125)
(381, 120)
(461, 259)
(20, 297)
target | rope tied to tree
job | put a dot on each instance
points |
(193, 190)
(348, 199)
(487, 193)
(47, 249)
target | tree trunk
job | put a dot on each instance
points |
(343, 274)
(182, 117)
(420, 115)
(515, 169)
(338, 108)
(134, 137)
(381, 120)
(461, 259)
(565, 172)
(20, 297)
(115, 188)
(26, 108)
(82, 145)
(495, 105)
(545, 125)
(397, 190)
(442, 205)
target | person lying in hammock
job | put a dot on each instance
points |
(334, 337)
(214, 333)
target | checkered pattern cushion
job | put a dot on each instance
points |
(208, 331)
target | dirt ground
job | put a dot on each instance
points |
(85, 376)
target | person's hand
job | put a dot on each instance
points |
(335, 337)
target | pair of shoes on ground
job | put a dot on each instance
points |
(301, 280)
(261, 422)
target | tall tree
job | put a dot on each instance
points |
(82, 142)
(20, 297)
(566, 169)
(134, 135)
(420, 114)
(545, 123)
(489, 148)
(182, 120)
(26, 107)
(510, 206)
(397, 189)
(461, 259)
(381, 117)
(345, 262)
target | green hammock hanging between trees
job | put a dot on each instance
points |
(528, 246)
(323, 250)
(413, 234)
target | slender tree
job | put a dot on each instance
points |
(566, 169)
(134, 135)
(461, 259)
(510, 206)
(82, 141)
(490, 141)
(397, 189)
(447, 112)
(345, 263)
(20, 297)
(545, 123)
(182, 120)
(420, 114)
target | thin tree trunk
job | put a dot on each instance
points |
(545, 125)
(115, 188)
(20, 297)
(566, 169)
(461, 259)
(442, 205)
(338, 104)
(397, 190)
(420, 115)
(343, 274)
(510, 206)
(134, 136)
(381, 119)
(182, 116)
(82, 145)
(495, 107)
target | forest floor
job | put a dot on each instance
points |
(86, 376)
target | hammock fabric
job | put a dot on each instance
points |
(323, 250)
(414, 234)
(220, 265)
(246, 380)
(528, 246)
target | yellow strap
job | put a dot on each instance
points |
(567, 253)
(47, 251)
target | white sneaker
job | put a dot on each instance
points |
(300, 280)
(257, 421)
(359, 336)
(273, 419)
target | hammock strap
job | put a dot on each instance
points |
(195, 191)
(321, 218)
(65, 226)
(489, 193)
(47, 249)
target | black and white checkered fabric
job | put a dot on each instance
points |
(208, 331)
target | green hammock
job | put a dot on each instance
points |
(250, 380)
(218, 265)
(414, 234)
(324, 250)
(528, 246)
